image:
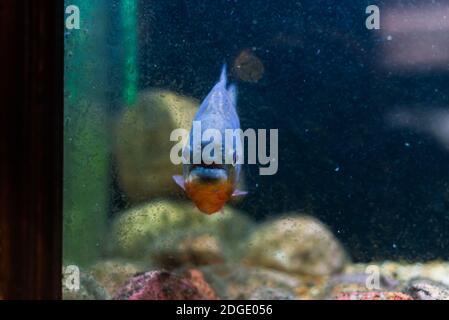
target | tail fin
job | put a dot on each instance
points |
(223, 76)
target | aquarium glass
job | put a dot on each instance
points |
(340, 189)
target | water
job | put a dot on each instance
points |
(362, 117)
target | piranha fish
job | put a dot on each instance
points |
(211, 185)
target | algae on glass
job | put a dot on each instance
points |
(85, 137)
(89, 86)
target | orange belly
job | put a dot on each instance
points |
(209, 198)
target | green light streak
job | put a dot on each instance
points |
(86, 161)
(129, 32)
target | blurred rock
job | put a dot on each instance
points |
(175, 233)
(403, 272)
(89, 289)
(373, 295)
(297, 244)
(312, 288)
(143, 143)
(357, 282)
(187, 249)
(239, 282)
(271, 294)
(113, 274)
(197, 278)
(163, 285)
(426, 289)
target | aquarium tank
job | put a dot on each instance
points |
(333, 184)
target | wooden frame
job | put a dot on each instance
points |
(31, 148)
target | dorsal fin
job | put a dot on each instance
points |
(223, 76)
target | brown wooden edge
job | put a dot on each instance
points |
(31, 148)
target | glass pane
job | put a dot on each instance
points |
(256, 149)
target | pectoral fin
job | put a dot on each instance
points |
(179, 181)
(238, 193)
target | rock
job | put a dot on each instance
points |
(296, 244)
(175, 233)
(271, 294)
(312, 288)
(357, 282)
(426, 289)
(373, 295)
(113, 274)
(143, 143)
(163, 285)
(197, 279)
(187, 249)
(403, 272)
(233, 281)
(89, 289)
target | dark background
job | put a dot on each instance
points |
(31, 120)
(325, 92)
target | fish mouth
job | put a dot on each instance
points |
(209, 166)
(208, 173)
